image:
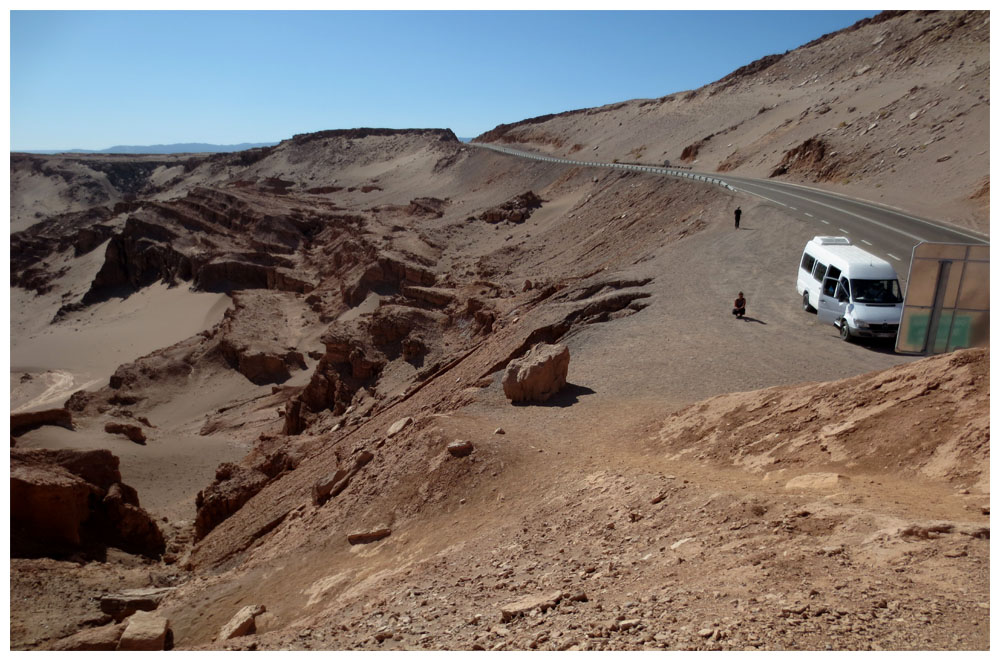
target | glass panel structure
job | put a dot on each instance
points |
(947, 303)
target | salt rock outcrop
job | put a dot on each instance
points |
(515, 210)
(368, 536)
(145, 632)
(65, 499)
(250, 338)
(437, 297)
(130, 524)
(125, 603)
(262, 368)
(427, 206)
(244, 242)
(460, 448)
(391, 324)
(538, 375)
(392, 270)
(483, 316)
(540, 602)
(234, 485)
(356, 354)
(818, 481)
(349, 364)
(22, 423)
(29, 249)
(98, 639)
(811, 157)
(133, 432)
(330, 486)
(48, 503)
(243, 623)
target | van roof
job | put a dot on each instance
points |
(832, 240)
(862, 264)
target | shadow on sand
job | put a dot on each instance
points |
(878, 345)
(568, 396)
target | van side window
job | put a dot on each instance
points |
(832, 272)
(829, 287)
(820, 272)
(807, 262)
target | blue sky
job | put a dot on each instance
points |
(90, 80)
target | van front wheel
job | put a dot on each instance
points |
(805, 302)
(845, 331)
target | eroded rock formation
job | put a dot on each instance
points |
(515, 210)
(65, 500)
(22, 423)
(234, 485)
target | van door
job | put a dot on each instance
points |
(832, 302)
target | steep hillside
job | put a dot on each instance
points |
(893, 109)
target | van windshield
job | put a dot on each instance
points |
(876, 291)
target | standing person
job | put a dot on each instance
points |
(740, 306)
(738, 213)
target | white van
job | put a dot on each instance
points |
(850, 288)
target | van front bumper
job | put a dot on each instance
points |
(877, 330)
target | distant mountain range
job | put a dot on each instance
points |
(177, 148)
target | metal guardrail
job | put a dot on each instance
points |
(671, 172)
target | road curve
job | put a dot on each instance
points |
(891, 233)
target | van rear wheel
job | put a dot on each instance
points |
(845, 331)
(805, 302)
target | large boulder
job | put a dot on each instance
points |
(130, 527)
(67, 499)
(126, 603)
(99, 467)
(48, 503)
(134, 433)
(539, 602)
(538, 375)
(243, 623)
(331, 485)
(98, 639)
(146, 632)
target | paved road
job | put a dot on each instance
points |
(888, 232)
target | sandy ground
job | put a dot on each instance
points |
(86, 347)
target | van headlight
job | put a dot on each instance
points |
(861, 324)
